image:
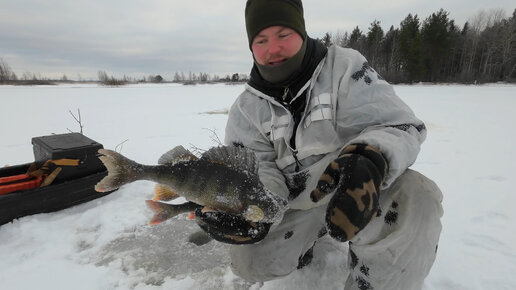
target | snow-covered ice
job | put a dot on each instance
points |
(108, 244)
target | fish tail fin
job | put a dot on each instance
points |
(161, 212)
(121, 170)
(163, 192)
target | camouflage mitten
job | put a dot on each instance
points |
(231, 229)
(355, 176)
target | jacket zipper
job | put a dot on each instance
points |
(289, 108)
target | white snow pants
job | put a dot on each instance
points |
(394, 251)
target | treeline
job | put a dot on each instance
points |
(179, 77)
(7, 76)
(437, 50)
(206, 77)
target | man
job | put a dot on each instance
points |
(332, 137)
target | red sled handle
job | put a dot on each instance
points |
(19, 182)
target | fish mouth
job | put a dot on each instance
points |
(270, 213)
(254, 214)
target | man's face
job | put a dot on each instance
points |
(275, 44)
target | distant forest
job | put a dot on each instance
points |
(437, 50)
(431, 50)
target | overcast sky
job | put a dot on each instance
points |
(138, 38)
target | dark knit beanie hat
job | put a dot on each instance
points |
(260, 14)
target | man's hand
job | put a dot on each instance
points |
(355, 177)
(229, 228)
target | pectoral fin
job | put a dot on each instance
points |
(164, 211)
(163, 192)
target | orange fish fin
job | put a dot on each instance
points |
(156, 220)
(163, 192)
(191, 215)
(160, 214)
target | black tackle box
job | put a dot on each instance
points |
(69, 146)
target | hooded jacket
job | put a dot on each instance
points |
(347, 102)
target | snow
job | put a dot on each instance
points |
(108, 244)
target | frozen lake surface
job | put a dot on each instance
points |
(108, 244)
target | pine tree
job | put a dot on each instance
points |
(435, 34)
(390, 55)
(410, 49)
(356, 40)
(373, 41)
(326, 40)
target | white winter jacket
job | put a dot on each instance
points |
(347, 102)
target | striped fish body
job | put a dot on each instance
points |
(224, 178)
(210, 184)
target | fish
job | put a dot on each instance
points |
(224, 178)
(164, 211)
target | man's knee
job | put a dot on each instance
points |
(415, 183)
(252, 264)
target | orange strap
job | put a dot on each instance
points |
(19, 182)
(50, 178)
(65, 162)
(45, 168)
(35, 177)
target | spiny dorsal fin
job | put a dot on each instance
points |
(178, 154)
(237, 157)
